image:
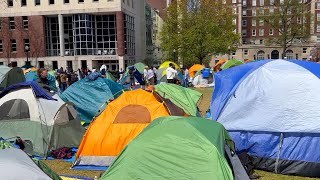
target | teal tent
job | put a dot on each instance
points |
(33, 76)
(175, 147)
(185, 98)
(89, 95)
(10, 76)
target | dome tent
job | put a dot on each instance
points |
(178, 148)
(269, 106)
(122, 120)
(9, 76)
(28, 112)
(89, 95)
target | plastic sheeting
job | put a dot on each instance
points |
(89, 96)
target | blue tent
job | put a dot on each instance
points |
(137, 75)
(88, 95)
(271, 109)
(32, 76)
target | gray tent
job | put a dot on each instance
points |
(48, 124)
(15, 164)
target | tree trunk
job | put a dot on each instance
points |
(284, 49)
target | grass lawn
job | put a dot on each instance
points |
(62, 167)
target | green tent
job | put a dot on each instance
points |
(110, 76)
(178, 148)
(184, 98)
(10, 76)
(231, 63)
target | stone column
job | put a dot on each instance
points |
(61, 34)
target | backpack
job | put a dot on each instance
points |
(62, 153)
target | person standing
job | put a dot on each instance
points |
(63, 80)
(150, 76)
(171, 73)
(186, 75)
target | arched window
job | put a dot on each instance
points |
(14, 109)
(289, 54)
(275, 54)
(260, 55)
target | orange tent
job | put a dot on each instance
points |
(195, 68)
(218, 65)
(122, 120)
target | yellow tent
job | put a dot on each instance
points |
(122, 120)
(165, 65)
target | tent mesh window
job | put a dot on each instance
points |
(14, 109)
(133, 114)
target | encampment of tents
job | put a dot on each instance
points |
(179, 148)
(15, 164)
(28, 112)
(89, 95)
(9, 76)
(122, 120)
(270, 108)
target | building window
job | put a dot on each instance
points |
(261, 2)
(261, 32)
(128, 2)
(11, 22)
(299, 20)
(270, 32)
(25, 22)
(254, 2)
(234, 21)
(37, 2)
(261, 22)
(80, 1)
(244, 32)
(271, 10)
(66, 1)
(254, 22)
(253, 32)
(26, 43)
(261, 11)
(254, 12)
(97, 0)
(318, 27)
(318, 5)
(10, 3)
(289, 54)
(129, 35)
(318, 16)
(304, 50)
(1, 46)
(244, 22)
(13, 45)
(54, 65)
(234, 10)
(244, 2)
(318, 38)
(261, 41)
(234, 1)
(272, 2)
(246, 52)
(244, 12)
(244, 41)
(51, 1)
(260, 55)
(23, 2)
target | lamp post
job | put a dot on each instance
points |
(174, 55)
(27, 49)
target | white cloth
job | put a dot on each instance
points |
(171, 73)
(103, 67)
(150, 74)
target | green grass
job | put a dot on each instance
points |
(62, 167)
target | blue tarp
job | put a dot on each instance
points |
(89, 96)
(33, 76)
(38, 91)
